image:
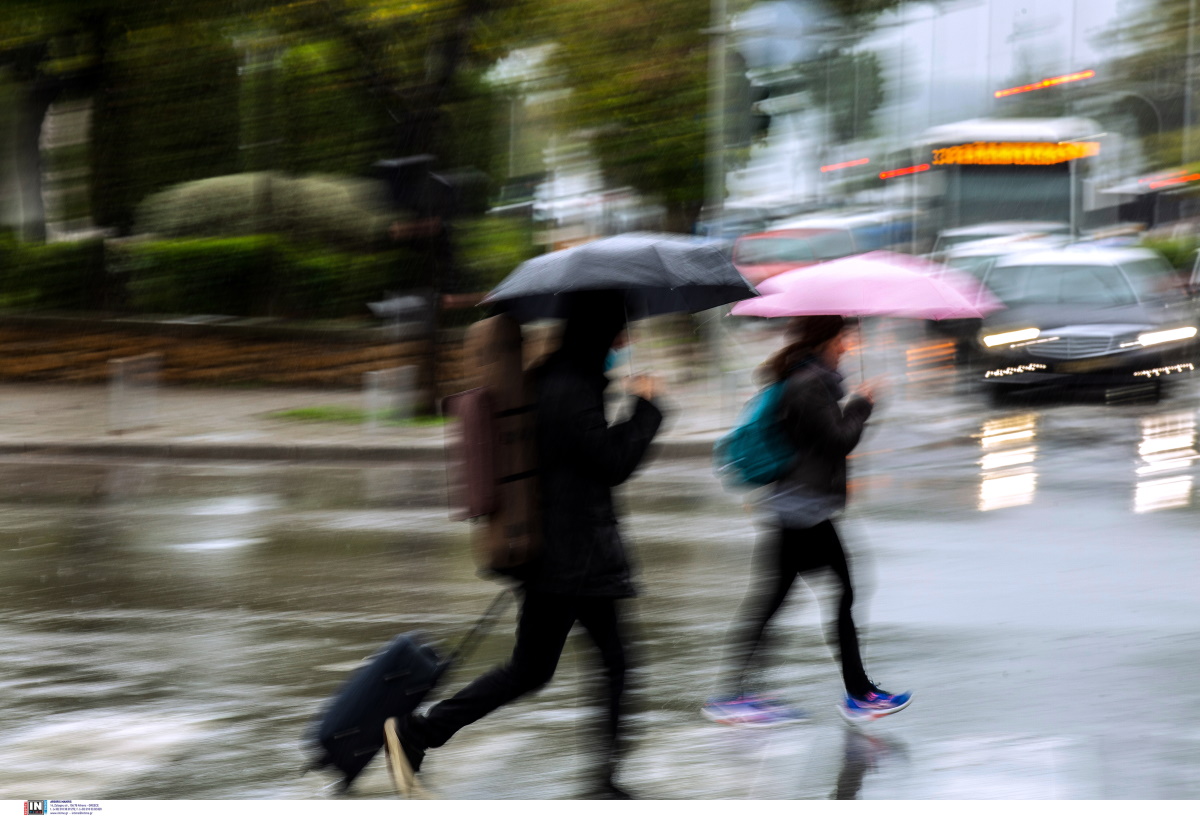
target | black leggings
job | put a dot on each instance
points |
(545, 622)
(782, 555)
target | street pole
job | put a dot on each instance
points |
(1188, 155)
(1074, 204)
(715, 194)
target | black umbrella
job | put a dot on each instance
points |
(658, 273)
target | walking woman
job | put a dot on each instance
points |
(804, 541)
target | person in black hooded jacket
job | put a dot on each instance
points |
(582, 568)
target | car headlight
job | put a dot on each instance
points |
(1017, 336)
(1167, 335)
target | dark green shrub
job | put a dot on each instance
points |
(317, 283)
(232, 276)
(260, 275)
(1179, 252)
(490, 247)
(65, 276)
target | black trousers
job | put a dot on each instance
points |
(780, 557)
(546, 620)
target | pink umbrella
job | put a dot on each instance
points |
(875, 283)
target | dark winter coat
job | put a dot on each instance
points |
(822, 430)
(580, 459)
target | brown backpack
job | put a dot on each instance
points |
(494, 459)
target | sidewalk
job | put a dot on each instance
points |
(245, 423)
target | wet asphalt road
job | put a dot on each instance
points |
(1029, 571)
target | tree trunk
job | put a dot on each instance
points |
(31, 115)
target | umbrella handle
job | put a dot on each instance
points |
(629, 339)
(862, 354)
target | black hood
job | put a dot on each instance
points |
(594, 319)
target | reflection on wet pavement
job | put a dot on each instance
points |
(1008, 478)
(1168, 446)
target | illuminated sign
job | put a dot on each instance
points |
(1170, 181)
(844, 165)
(1046, 83)
(904, 171)
(1015, 152)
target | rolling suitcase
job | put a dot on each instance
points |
(394, 681)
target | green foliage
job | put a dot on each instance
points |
(65, 276)
(491, 247)
(210, 276)
(345, 413)
(472, 117)
(638, 74)
(168, 115)
(329, 122)
(257, 275)
(850, 86)
(1179, 252)
(318, 283)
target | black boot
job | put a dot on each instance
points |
(607, 789)
(412, 740)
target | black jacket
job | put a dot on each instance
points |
(580, 459)
(822, 431)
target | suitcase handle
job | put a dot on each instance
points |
(479, 629)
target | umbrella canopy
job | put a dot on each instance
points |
(658, 273)
(875, 283)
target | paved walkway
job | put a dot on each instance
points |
(254, 423)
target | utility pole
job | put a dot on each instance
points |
(1188, 142)
(718, 31)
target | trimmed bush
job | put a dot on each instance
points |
(260, 275)
(339, 212)
(65, 276)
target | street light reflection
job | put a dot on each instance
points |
(1009, 478)
(1168, 445)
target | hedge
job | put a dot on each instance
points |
(68, 276)
(259, 275)
(250, 276)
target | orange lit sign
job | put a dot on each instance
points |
(904, 171)
(1171, 181)
(1015, 152)
(1046, 83)
(844, 165)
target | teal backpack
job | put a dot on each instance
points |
(756, 452)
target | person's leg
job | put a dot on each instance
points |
(822, 549)
(600, 617)
(545, 622)
(775, 571)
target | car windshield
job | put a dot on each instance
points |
(1153, 277)
(1084, 284)
(977, 265)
